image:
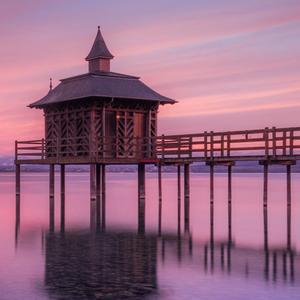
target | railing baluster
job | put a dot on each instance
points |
(291, 142)
(179, 146)
(284, 142)
(228, 145)
(266, 137)
(205, 144)
(190, 146)
(222, 145)
(274, 140)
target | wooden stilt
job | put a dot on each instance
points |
(159, 199)
(265, 205)
(51, 197)
(98, 195)
(103, 200)
(62, 198)
(141, 198)
(93, 196)
(18, 179)
(178, 199)
(289, 206)
(229, 203)
(186, 197)
(211, 203)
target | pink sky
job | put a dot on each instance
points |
(232, 65)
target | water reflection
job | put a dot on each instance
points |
(99, 264)
(80, 265)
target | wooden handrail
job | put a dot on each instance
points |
(264, 142)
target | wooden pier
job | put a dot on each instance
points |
(275, 146)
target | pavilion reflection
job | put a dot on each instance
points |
(85, 265)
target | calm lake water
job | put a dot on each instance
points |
(120, 264)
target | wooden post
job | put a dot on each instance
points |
(211, 166)
(229, 203)
(92, 196)
(159, 199)
(98, 195)
(289, 206)
(18, 179)
(103, 200)
(62, 198)
(266, 137)
(178, 199)
(141, 198)
(274, 140)
(186, 197)
(265, 205)
(51, 197)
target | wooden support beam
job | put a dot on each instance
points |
(98, 195)
(212, 204)
(229, 204)
(141, 198)
(51, 198)
(289, 206)
(178, 199)
(93, 196)
(62, 198)
(103, 200)
(265, 205)
(186, 197)
(159, 199)
(18, 179)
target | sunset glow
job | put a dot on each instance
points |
(230, 64)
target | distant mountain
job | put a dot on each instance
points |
(7, 165)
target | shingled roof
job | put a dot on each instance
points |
(102, 85)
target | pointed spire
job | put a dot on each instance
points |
(99, 48)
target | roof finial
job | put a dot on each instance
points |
(50, 86)
(98, 27)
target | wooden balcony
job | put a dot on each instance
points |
(269, 144)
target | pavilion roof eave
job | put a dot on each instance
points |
(40, 106)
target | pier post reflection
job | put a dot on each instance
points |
(17, 219)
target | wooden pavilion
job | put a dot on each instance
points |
(101, 115)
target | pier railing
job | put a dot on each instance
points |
(257, 144)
